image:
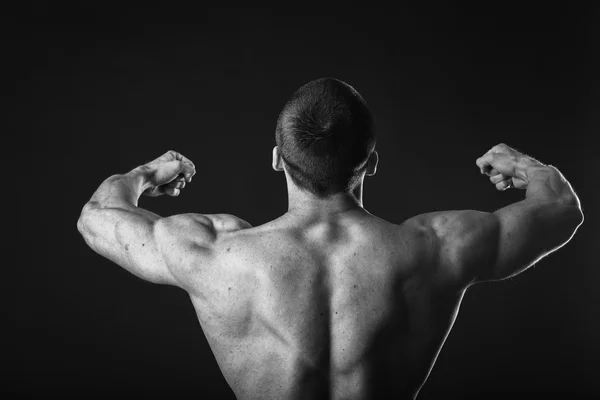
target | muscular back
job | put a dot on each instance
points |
(350, 307)
(336, 305)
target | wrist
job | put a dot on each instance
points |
(528, 168)
(547, 183)
(120, 190)
(138, 179)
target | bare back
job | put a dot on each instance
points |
(345, 305)
(348, 308)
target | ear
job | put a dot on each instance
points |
(372, 164)
(277, 161)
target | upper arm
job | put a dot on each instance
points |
(159, 250)
(528, 231)
(127, 238)
(481, 246)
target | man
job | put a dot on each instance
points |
(328, 301)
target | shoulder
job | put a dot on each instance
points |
(453, 225)
(227, 222)
(460, 239)
(203, 227)
(187, 243)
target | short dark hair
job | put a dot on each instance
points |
(325, 134)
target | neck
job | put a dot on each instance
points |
(306, 204)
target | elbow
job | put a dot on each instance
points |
(572, 209)
(85, 226)
(579, 217)
(575, 218)
(82, 225)
(576, 210)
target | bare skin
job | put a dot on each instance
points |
(329, 301)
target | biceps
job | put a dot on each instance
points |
(128, 240)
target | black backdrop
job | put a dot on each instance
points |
(93, 91)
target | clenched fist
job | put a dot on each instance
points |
(168, 174)
(506, 167)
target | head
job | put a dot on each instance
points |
(325, 138)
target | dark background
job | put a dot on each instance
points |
(97, 90)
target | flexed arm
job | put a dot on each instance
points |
(528, 230)
(114, 226)
(493, 246)
(507, 167)
(475, 246)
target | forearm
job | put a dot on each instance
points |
(121, 192)
(520, 234)
(546, 183)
